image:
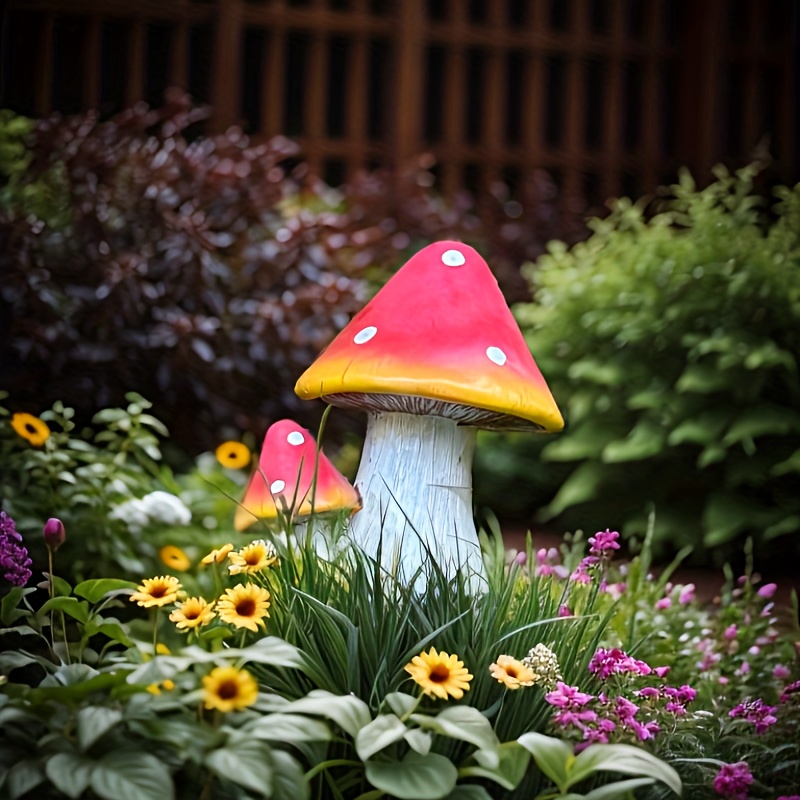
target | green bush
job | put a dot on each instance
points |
(671, 343)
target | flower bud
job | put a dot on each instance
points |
(54, 534)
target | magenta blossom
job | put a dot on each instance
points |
(732, 781)
(605, 663)
(767, 590)
(757, 712)
(15, 563)
(789, 691)
(568, 697)
(603, 542)
(663, 603)
(730, 632)
(781, 672)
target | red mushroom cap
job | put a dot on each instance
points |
(285, 476)
(438, 338)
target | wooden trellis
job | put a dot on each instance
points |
(610, 96)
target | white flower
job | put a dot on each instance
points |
(160, 508)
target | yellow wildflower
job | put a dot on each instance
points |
(256, 556)
(244, 606)
(439, 674)
(157, 592)
(229, 689)
(31, 428)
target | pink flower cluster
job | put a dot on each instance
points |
(757, 712)
(732, 781)
(548, 562)
(606, 663)
(603, 542)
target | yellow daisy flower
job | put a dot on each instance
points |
(217, 556)
(233, 454)
(174, 558)
(512, 673)
(157, 591)
(31, 428)
(244, 606)
(192, 613)
(256, 556)
(439, 674)
(229, 689)
(167, 685)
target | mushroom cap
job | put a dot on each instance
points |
(439, 339)
(285, 475)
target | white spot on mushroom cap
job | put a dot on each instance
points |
(277, 486)
(496, 355)
(365, 334)
(296, 438)
(453, 258)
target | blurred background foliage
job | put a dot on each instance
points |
(672, 343)
(207, 273)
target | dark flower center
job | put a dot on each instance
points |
(30, 428)
(252, 559)
(511, 672)
(246, 608)
(193, 614)
(439, 674)
(158, 591)
(227, 690)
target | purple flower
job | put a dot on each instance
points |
(757, 712)
(732, 781)
(567, 697)
(687, 594)
(564, 611)
(14, 560)
(767, 590)
(789, 690)
(730, 632)
(54, 533)
(582, 573)
(603, 542)
(780, 672)
(662, 671)
(605, 663)
(663, 603)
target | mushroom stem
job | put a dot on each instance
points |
(415, 481)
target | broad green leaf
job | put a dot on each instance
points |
(23, 777)
(604, 373)
(416, 777)
(130, 773)
(624, 758)
(401, 703)
(462, 722)
(552, 756)
(469, 792)
(782, 527)
(77, 690)
(618, 789)
(96, 590)
(349, 712)
(9, 613)
(384, 730)
(94, 722)
(419, 740)
(77, 609)
(70, 773)
(508, 773)
(763, 420)
(585, 440)
(246, 763)
(791, 464)
(702, 379)
(288, 779)
(703, 429)
(113, 630)
(644, 441)
(584, 483)
(290, 728)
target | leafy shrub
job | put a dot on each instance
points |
(204, 273)
(672, 344)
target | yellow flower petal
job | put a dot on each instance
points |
(233, 454)
(229, 689)
(256, 556)
(30, 428)
(244, 606)
(512, 673)
(157, 592)
(192, 613)
(174, 558)
(217, 556)
(439, 674)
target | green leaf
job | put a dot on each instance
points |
(702, 379)
(289, 781)
(70, 773)
(96, 590)
(765, 419)
(94, 722)
(584, 483)
(703, 429)
(416, 777)
(9, 613)
(644, 441)
(384, 730)
(131, 773)
(77, 609)
(462, 722)
(508, 773)
(419, 740)
(552, 756)
(246, 763)
(113, 630)
(618, 789)
(782, 527)
(23, 777)
(401, 703)
(585, 440)
(290, 728)
(623, 758)
(349, 712)
(604, 373)
(469, 792)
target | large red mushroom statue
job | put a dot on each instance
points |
(284, 482)
(433, 356)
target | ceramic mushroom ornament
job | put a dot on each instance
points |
(284, 480)
(433, 356)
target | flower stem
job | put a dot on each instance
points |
(52, 595)
(336, 762)
(155, 633)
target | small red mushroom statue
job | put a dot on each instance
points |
(433, 356)
(284, 480)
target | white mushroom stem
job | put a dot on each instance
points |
(415, 480)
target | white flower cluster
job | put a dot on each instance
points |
(544, 662)
(156, 508)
